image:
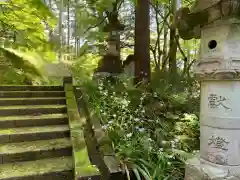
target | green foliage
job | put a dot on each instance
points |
(83, 67)
(21, 60)
(16, 66)
(10, 75)
(27, 20)
(23, 24)
(153, 131)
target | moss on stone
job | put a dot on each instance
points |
(31, 98)
(83, 167)
(32, 107)
(27, 117)
(31, 146)
(82, 164)
(42, 129)
(37, 167)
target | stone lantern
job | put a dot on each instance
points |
(218, 71)
(111, 63)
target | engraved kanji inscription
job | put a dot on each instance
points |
(218, 142)
(215, 101)
(219, 156)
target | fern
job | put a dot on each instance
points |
(32, 66)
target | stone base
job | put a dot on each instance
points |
(199, 169)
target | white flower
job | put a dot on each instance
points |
(114, 115)
(160, 150)
(124, 103)
(129, 135)
(141, 129)
(196, 151)
(136, 119)
(169, 163)
(176, 140)
(164, 142)
(173, 144)
(150, 139)
(105, 93)
(104, 127)
(110, 122)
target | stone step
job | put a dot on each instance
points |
(32, 101)
(45, 169)
(32, 110)
(24, 134)
(35, 150)
(22, 94)
(29, 121)
(31, 88)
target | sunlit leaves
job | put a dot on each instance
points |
(27, 18)
(29, 63)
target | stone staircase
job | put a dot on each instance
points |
(34, 134)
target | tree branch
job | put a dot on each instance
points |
(169, 26)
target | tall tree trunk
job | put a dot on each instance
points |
(76, 27)
(142, 41)
(187, 59)
(50, 30)
(172, 42)
(60, 30)
(165, 36)
(76, 46)
(68, 30)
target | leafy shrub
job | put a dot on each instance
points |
(153, 131)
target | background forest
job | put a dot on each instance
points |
(153, 128)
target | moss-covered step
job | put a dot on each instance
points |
(35, 150)
(14, 94)
(29, 121)
(33, 133)
(31, 88)
(45, 169)
(32, 101)
(32, 110)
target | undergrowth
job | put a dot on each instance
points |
(154, 129)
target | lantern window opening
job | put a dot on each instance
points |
(212, 44)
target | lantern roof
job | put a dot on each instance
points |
(201, 5)
(113, 27)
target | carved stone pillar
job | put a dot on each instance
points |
(218, 71)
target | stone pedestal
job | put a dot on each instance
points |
(198, 169)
